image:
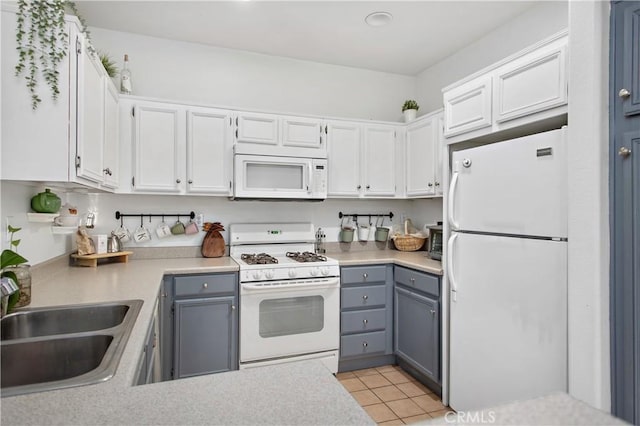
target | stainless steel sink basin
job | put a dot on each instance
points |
(59, 347)
(63, 320)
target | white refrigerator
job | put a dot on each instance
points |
(507, 271)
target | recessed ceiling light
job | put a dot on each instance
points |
(378, 19)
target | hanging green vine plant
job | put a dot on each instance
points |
(41, 40)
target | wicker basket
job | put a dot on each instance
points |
(408, 242)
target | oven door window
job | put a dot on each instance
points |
(291, 315)
(273, 175)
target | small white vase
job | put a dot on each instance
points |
(409, 115)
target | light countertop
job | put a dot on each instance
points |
(294, 393)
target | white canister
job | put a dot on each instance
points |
(100, 243)
(363, 232)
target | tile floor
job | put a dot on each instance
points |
(391, 396)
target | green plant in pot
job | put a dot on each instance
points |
(410, 109)
(12, 267)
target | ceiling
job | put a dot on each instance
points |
(334, 32)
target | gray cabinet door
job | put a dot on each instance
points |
(205, 336)
(416, 336)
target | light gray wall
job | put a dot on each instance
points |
(178, 70)
(538, 22)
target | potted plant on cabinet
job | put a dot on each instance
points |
(410, 109)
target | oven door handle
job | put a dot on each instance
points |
(331, 283)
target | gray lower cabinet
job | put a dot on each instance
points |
(203, 321)
(417, 321)
(366, 317)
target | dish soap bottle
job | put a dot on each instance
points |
(125, 77)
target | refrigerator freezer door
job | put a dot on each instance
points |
(508, 329)
(513, 187)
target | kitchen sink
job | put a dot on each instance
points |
(64, 320)
(63, 346)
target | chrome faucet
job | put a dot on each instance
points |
(7, 287)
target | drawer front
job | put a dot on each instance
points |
(363, 321)
(200, 285)
(363, 274)
(418, 280)
(360, 297)
(363, 344)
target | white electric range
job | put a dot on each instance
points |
(289, 296)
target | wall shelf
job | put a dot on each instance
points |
(63, 229)
(42, 217)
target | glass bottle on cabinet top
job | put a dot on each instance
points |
(125, 77)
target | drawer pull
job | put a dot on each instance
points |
(433, 312)
(365, 321)
(365, 275)
(205, 285)
(365, 297)
(413, 281)
(365, 344)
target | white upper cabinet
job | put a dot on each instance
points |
(257, 128)
(271, 134)
(110, 157)
(343, 159)
(303, 132)
(91, 108)
(177, 149)
(379, 161)
(209, 151)
(158, 147)
(361, 159)
(532, 83)
(468, 107)
(527, 87)
(423, 170)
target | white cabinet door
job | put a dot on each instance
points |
(209, 151)
(257, 128)
(302, 132)
(40, 136)
(111, 114)
(343, 143)
(468, 107)
(532, 83)
(90, 125)
(438, 164)
(378, 161)
(159, 145)
(420, 154)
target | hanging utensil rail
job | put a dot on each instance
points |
(119, 215)
(369, 215)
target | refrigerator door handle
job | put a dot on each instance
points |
(452, 281)
(452, 191)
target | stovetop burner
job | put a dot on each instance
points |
(306, 256)
(258, 259)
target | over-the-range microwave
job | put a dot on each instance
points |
(267, 177)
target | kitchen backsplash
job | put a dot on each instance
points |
(39, 244)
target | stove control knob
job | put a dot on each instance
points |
(256, 275)
(292, 273)
(324, 271)
(269, 274)
(314, 272)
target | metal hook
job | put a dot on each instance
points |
(141, 220)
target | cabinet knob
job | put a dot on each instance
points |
(190, 181)
(233, 307)
(365, 275)
(429, 184)
(624, 152)
(365, 344)
(365, 297)
(359, 186)
(624, 93)
(178, 181)
(433, 312)
(437, 183)
(107, 171)
(365, 321)
(368, 186)
(205, 285)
